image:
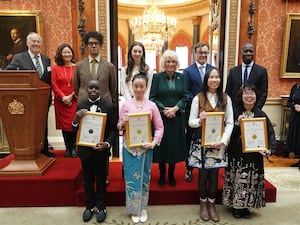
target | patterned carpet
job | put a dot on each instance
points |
(283, 212)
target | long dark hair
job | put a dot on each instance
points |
(221, 102)
(59, 58)
(130, 61)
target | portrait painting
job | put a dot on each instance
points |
(14, 27)
(290, 59)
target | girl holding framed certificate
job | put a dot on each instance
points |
(211, 99)
(137, 158)
(244, 176)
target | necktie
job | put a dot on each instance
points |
(245, 74)
(201, 70)
(38, 66)
(93, 72)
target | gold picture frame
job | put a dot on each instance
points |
(212, 128)
(254, 134)
(25, 22)
(138, 129)
(91, 129)
(290, 60)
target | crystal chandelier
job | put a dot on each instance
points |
(153, 28)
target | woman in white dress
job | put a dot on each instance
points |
(136, 64)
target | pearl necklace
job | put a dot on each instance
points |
(68, 76)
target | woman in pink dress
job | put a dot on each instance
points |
(65, 100)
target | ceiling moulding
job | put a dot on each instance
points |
(187, 10)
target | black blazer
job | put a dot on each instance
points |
(258, 76)
(22, 61)
(111, 124)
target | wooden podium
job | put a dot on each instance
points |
(24, 102)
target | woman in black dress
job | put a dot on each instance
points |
(293, 141)
(244, 177)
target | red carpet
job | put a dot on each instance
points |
(61, 185)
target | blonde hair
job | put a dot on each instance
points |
(168, 54)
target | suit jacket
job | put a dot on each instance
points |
(258, 76)
(110, 128)
(22, 61)
(193, 79)
(106, 74)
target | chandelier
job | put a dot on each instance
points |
(153, 28)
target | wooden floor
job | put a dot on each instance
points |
(279, 161)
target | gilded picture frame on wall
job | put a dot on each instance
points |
(290, 59)
(15, 26)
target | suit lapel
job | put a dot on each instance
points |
(29, 61)
(197, 75)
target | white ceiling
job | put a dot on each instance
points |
(157, 2)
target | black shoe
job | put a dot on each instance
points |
(161, 181)
(237, 213)
(87, 215)
(50, 147)
(73, 154)
(246, 213)
(188, 175)
(49, 154)
(172, 181)
(297, 164)
(101, 215)
(67, 154)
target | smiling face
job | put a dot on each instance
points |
(139, 87)
(171, 65)
(247, 53)
(93, 89)
(201, 54)
(213, 81)
(34, 42)
(248, 98)
(137, 53)
(67, 55)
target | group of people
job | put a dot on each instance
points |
(183, 101)
(178, 104)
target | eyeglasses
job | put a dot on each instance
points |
(203, 53)
(93, 43)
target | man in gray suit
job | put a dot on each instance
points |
(34, 60)
(248, 72)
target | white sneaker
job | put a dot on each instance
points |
(135, 218)
(143, 216)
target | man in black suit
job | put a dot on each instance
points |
(193, 76)
(93, 159)
(34, 60)
(248, 72)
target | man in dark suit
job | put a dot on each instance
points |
(34, 60)
(248, 72)
(194, 76)
(93, 159)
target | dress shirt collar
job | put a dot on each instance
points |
(199, 65)
(97, 58)
(249, 65)
(32, 55)
(95, 101)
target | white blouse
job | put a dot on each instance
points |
(126, 87)
(194, 120)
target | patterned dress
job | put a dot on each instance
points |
(244, 176)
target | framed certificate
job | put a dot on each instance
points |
(212, 128)
(91, 129)
(138, 129)
(254, 134)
